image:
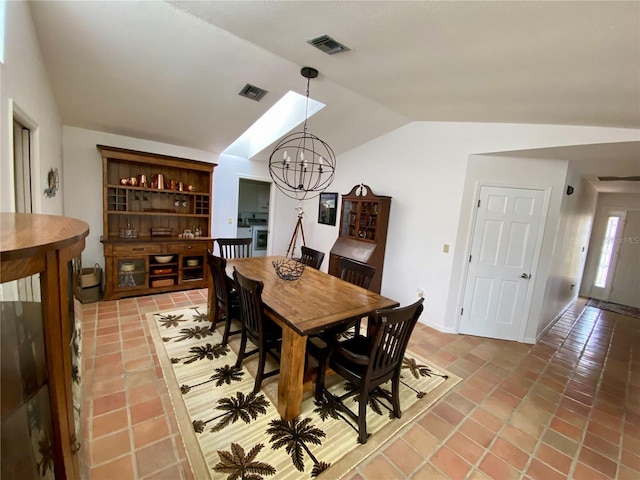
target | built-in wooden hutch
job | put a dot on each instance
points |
(156, 222)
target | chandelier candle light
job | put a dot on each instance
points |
(302, 165)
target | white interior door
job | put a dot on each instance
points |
(504, 242)
(625, 288)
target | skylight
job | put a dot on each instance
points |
(284, 116)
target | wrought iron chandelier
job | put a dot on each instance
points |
(302, 165)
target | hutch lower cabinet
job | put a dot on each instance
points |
(41, 346)
(156, 222)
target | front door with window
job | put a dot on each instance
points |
(504, 243)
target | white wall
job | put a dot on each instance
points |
(570, 248)
(26, 90)
(423, 166)
(606, 202)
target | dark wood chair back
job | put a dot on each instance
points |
(234, 247)
(368, 362)
(262, 331)
(312, 258)
(356, 272)
(227, 303)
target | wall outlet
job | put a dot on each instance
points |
(230, 220)
(445, 248)
(420, 293)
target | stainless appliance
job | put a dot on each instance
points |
(260, 238)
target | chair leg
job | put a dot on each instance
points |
(227, 329)
(320, 374)
(216, 316)
(363, 398)
(243, 346)
(395, 395)
(260, 373)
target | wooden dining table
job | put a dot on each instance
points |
(309, 305)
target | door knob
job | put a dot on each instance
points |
(526, 276)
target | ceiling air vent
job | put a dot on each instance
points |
(252, 92)
(619, 179)
(328, 45)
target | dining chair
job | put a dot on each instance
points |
(226, 298)
(256, 327)
(356, 272)
(234, 247)
(369, 361)
(312, 258)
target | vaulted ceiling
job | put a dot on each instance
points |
(171, 71)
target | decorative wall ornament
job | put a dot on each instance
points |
(53, 183)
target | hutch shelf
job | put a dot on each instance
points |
(156, 222)
(364, 220)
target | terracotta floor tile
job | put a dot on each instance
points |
(601, 445)
(598, 462)
(487, 419)
(427, 472)
(450, 464)
(155, 457)
(108, 387)
(436, 426)
(496, 468)
(583, 471)
(461, 403)
(518, 438)
(448, 413)
(380, 467)
(405, 458)
(150, 431)
(110, 447)
(173, 472)
(561, 443)
(566, 429)
(120, 469)
(107, 360)
(464, 447)
(554, 458)
(146, 410)
(509, 454)
(421, 441)
(631, 460)
(142, 393)
(110, 423)
(477, 432)
(109, 403)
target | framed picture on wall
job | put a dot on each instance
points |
(328, 208)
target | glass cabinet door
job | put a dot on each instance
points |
(26, 427)
(132, 272)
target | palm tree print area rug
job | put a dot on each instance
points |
(231, 433)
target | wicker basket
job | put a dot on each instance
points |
(91, 276)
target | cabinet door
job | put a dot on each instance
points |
(263, 197)
(349, 227)
(132, 273)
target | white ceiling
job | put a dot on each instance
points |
(171, 72)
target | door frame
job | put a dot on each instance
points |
(546, 202)
(272, 194)
(15, 112)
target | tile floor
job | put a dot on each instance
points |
(568, 407)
